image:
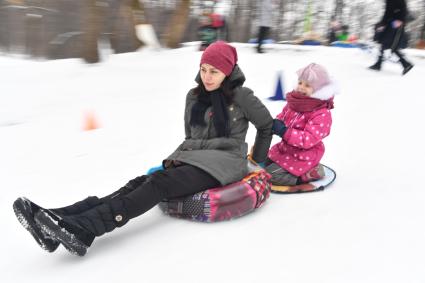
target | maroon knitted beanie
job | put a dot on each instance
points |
(221, 55)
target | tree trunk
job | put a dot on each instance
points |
(339, 5)
(91, 29)
(279, 25)
(421, 42)
(139, 12)
(234, 34)
(250, 15)
(122, 27)
(176, 27)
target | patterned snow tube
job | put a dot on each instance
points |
(222, 203)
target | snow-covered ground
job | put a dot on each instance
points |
(367, 227)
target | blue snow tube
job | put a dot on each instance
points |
(311, 42)
(344, 44)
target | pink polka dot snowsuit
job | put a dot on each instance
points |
(301, 147)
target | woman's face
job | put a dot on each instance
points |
(304, 88)
(211, 77)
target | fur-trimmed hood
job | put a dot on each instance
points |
(326, 92)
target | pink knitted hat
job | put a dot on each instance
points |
(221, 55)
(315, 75)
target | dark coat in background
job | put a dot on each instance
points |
(390, 37)
(394, 10)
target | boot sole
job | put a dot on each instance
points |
(67, 239)
(405, 71)
(27, 221)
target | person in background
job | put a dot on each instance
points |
(334, 29)
(342, 35)
(265, 22)
(390, 33)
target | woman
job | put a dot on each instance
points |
(213, 153)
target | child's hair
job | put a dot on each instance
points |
(315, 75)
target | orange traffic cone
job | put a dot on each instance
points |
(90, 122)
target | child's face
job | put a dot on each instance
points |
(304, 88)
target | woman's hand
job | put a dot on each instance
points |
(396, 23)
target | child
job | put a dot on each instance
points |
(303, 123)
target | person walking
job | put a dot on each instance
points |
(265, 22)
(390, 33)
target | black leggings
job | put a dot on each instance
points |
(396, 51)
(98, 215)
(280, 177)
(166, 184)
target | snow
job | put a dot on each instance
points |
(366, 227)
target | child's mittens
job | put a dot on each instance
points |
(255, 163)
(279, 127)
(262, 164)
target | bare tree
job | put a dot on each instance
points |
(91, 32)
(279, 21)
(297, 28)
(177, 25)
(339, 6)
(422, 34)
(241, 20)
(236, 23)
(361, 12)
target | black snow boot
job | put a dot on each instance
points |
(377, 65)
(77, 232)
(25, 211)
(407, 66)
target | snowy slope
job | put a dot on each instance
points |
(367, 227)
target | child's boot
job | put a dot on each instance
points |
(317, 173)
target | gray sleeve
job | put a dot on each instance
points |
(255, 111)
(187, 111)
